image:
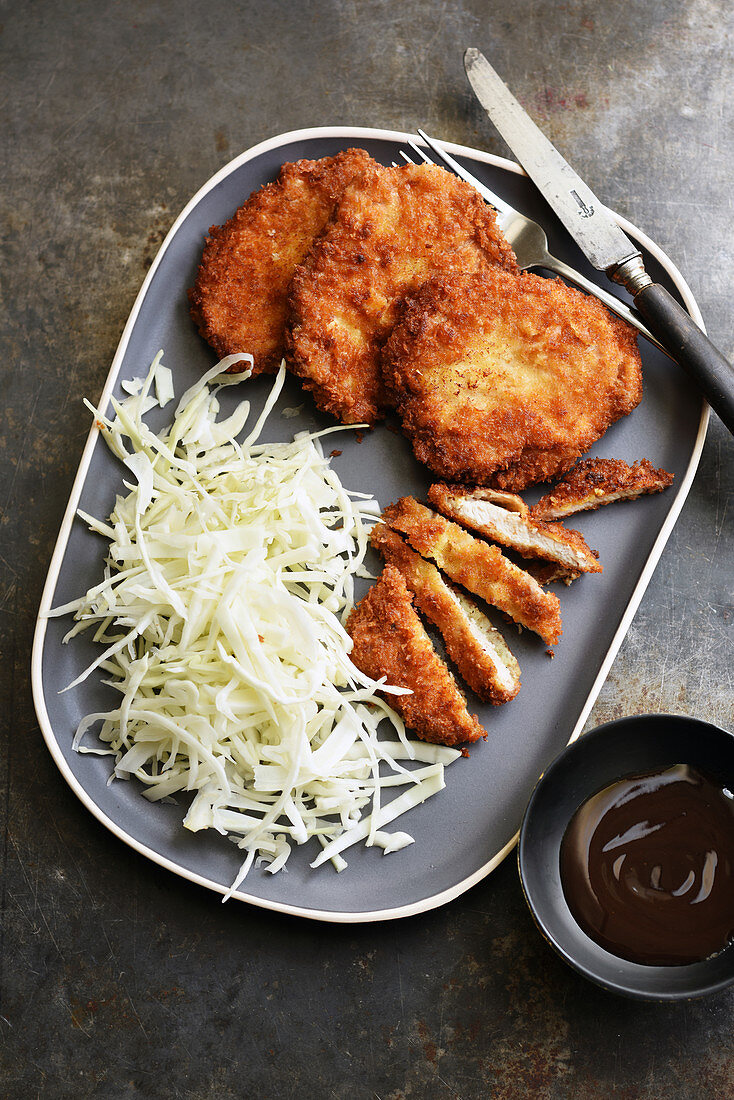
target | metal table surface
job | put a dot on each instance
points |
(116, 978)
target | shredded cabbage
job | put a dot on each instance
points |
(228, 580)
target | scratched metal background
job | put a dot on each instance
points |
(116, 979)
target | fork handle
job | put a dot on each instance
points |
(690, 347)
(616, 305)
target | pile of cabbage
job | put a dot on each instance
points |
(227, 582)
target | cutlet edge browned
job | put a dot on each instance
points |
(548, 572)
(478, 510)
(346, 293)
(513, 445)
(474, 645)
(477, 566)
(245, 269)
(389, 641)
(596, 481)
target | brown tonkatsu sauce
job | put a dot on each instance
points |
(647, 867)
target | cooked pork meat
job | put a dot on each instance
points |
(478, 509)
(595, 481)
(476, 565)
(390, 641)
(474, 645)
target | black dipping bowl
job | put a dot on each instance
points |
(629, 746)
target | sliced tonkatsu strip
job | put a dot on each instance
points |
(241, 290)
(478, 509)
(392, 229)
(390, 641)
(595, 481)
(506, 380)
(474, 645)
(476, 565)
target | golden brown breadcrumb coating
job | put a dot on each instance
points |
(389, 640)
(505, 380)
(532, 538)
(474, 645)
(596, 481)
(240, 294)
(476, 565)
(392, 229)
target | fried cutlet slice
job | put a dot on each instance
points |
(596, 481)
(389, 640)
(476, 565)
(240, 294)
(506, 380)
(474, 645)
(392, 229)
(478, 509)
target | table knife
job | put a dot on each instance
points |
(596, 232)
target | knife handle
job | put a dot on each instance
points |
(690, 347)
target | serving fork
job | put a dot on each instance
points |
(528, 239)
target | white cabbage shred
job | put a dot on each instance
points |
(227, 583)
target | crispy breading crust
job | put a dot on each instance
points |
(240, 294)
(532, 538)
(476, 565)
(488, 667)
(389, 640)
(596, 481)
(506, 380)
(392, 229)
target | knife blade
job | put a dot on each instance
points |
(596, 232)
(586, 219)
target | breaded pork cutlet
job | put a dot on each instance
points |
(392, 229)
(476, 565)
(505, 380)
(239, 297)
(389, 640)
(532, 538)
(595, 481)
(474, 645)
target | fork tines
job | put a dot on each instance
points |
(448, 160)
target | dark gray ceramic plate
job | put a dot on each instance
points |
(466, 830)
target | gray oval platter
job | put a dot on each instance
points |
(467, 829)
